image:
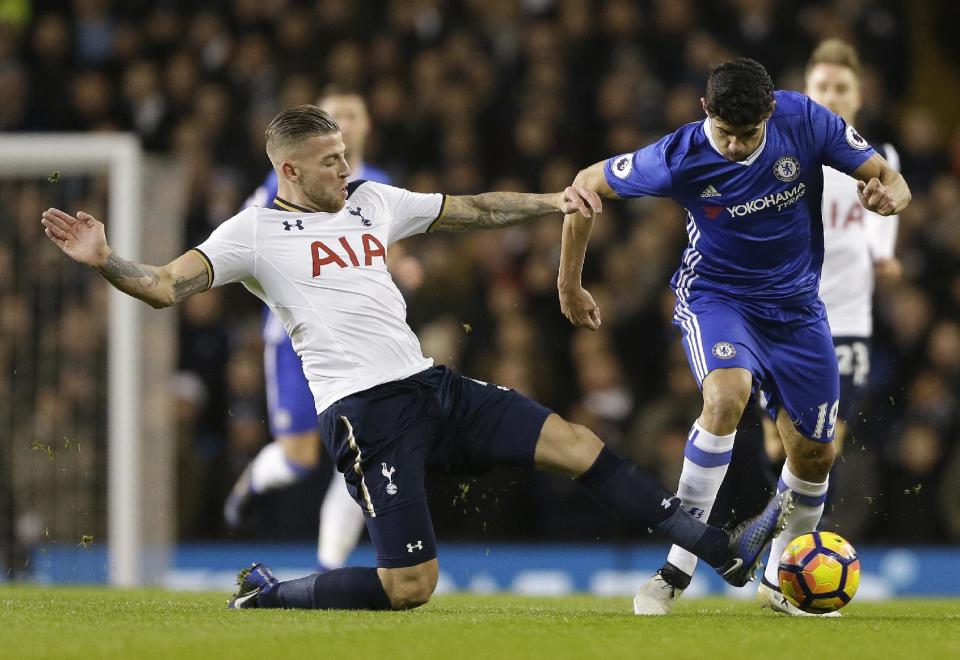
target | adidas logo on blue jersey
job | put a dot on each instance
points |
(710, 191)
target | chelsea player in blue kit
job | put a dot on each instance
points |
(750, 179)
(295, 449)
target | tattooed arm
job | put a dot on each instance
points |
(83, 239)
(158, 286)
(494, 210)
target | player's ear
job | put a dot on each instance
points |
(703, 104)
(289, 171)
(773, 106)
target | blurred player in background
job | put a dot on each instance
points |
(318, 256)
(750, 177)
(295, 450)
(857, 246)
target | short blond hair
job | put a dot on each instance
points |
(835, 51)
(294, 125)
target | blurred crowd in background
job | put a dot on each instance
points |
(474, 95)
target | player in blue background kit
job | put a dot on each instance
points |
(295, 450)
(750, 179)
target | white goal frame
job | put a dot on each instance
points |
(121, 158)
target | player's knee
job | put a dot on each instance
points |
(566, 447)
(412, 587)
(813, 460)
(409, 596)
(724, 408)
(586, 447)
(725, 396)
(582, 439)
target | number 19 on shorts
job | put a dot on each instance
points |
(822, 419)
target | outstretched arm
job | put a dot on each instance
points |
(83, 239)
(882, 189)
(494, 210)
(576, 303)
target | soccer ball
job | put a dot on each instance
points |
(819, 572)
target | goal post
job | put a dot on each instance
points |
(120, 157)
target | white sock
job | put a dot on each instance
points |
(271, 469)
(809, 498)
(341, 524)
(705, 463)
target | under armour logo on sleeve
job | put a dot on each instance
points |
(287, 226)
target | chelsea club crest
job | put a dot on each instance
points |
(724, 350)
(787, 169)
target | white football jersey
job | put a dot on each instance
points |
(325, 277)
(853, 238)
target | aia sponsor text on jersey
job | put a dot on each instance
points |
(323, 255)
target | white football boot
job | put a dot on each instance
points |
(656, 597)
(771, 598)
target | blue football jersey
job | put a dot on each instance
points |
(263, 196)
(755, 226)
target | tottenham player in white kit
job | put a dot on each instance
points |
(386, 414)
(295, 450)
(858, 244)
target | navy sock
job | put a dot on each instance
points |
(339, 589)
(621, 486)
(711, 544)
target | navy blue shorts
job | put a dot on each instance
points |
(789, 351)
(290, 404)
(853, 360)
(385, 439)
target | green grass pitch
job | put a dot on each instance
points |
(94, 623)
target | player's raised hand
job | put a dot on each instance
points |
(580, 308)
(577, 199)
(82, 237)
(876, 197)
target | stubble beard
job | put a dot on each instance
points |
(326, 202)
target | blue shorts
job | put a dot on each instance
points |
(290, 404)
(385, 439)
(853, 361)
(789, 351)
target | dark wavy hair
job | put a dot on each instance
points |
(739, 92)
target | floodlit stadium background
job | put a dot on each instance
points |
(465, 97)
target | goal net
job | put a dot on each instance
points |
(86, 468)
